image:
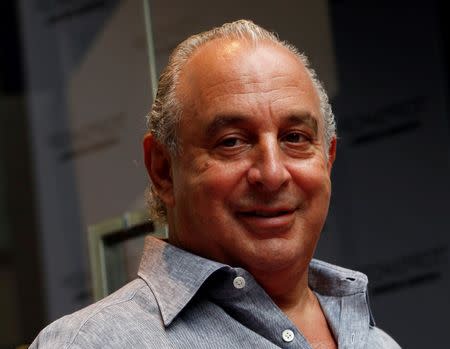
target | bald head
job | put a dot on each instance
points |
(242, 65)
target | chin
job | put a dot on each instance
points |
(276, 255)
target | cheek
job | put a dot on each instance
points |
(205, 194)
(312, 177)
(214, 180)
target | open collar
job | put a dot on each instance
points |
(173, 275)
(332, 280)
(343, 296)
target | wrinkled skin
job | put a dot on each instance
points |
(252, 185)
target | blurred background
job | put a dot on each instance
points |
(76, 79)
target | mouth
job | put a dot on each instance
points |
(266, 214)
(267, 221)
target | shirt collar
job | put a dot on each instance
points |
(344, 297)
(331, 280)
(173, 275)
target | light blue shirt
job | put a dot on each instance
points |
(181, 300)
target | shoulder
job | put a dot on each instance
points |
(123, 312)
(378, 339)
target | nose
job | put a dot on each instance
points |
(268, 170)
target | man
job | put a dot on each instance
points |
(240, 149)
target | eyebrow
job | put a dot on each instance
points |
(223, 121)
(303, 118)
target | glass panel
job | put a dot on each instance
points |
(88, 91)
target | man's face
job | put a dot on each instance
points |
(251, 187)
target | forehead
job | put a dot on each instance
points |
(231, 74)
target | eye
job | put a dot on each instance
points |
(294, 137)
(231, 142)
(231, 145)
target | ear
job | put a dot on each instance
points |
(158, 163)
(331, 154)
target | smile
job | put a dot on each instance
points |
(267, 222)
(266, 214)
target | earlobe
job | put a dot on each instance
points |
(158, 164)
(331, 154)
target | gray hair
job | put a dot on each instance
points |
(167, 110)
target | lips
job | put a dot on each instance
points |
(266, 214)
(267, 221)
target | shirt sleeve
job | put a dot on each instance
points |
(378, 339)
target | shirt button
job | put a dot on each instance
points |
(239, 282)
(288, 336)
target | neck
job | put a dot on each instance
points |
(289, 290)
(299, 303)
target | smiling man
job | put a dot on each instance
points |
(240, 149)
